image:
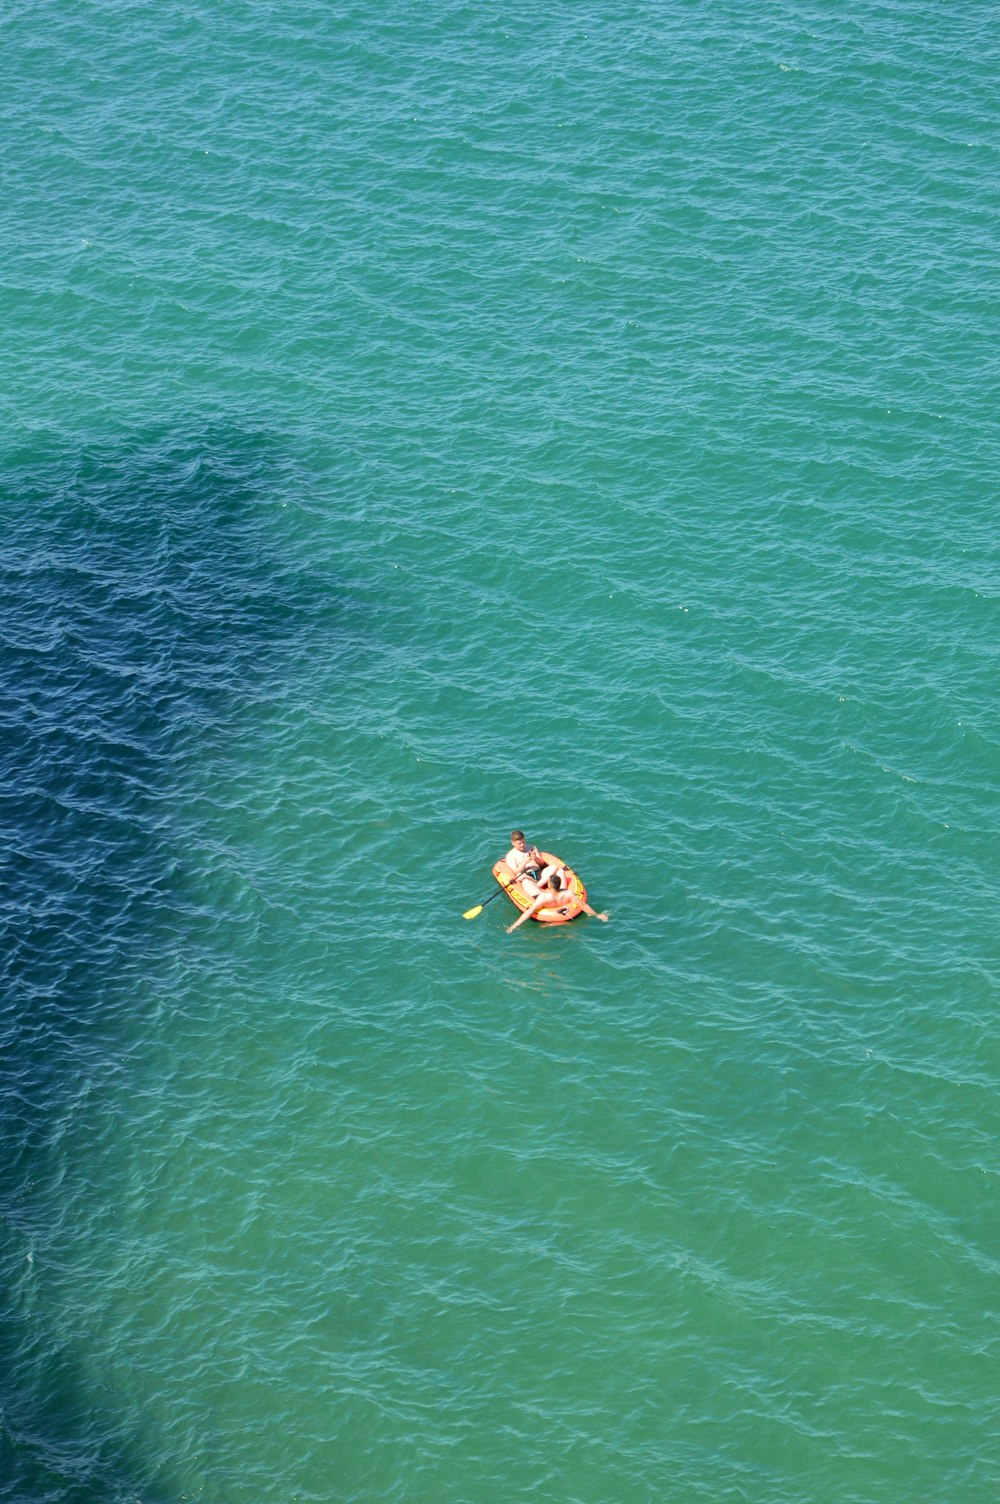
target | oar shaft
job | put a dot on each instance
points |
(474, 913)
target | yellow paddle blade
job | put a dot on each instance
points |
(471, 913)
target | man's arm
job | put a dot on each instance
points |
(539, 903)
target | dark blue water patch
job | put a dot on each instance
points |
(54, 1448)
(149, 591)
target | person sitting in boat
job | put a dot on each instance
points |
(525, 862)
(553, 884)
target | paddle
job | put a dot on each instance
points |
(474, 913)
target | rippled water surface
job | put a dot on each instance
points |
(417, 421)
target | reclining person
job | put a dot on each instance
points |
(553, 889)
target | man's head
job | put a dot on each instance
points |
(517, 838)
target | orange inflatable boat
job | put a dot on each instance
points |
(570, 901)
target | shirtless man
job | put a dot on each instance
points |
(551, 887)
(525, 862)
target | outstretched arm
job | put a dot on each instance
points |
(538, 903)
(592, 912)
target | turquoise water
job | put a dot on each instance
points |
(418, 421)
